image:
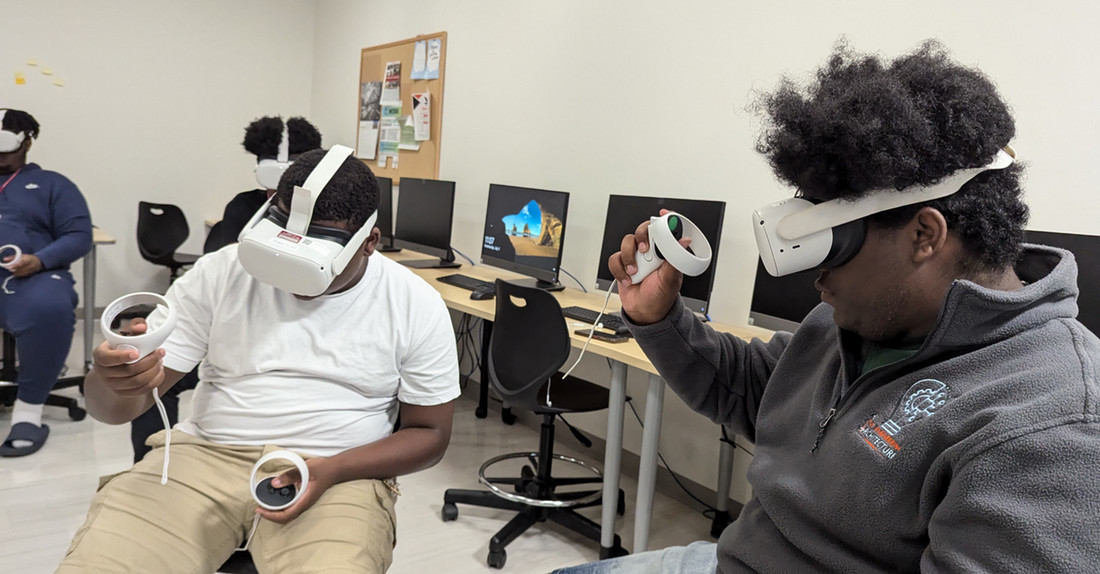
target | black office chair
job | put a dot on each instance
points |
(8, 389)
(161, 229)
(528, 345)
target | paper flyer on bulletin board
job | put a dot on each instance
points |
(391, 89)
(390, 134)
(421, 116)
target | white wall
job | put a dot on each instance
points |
(156, 98)
(649, 97)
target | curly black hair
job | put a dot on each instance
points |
(262, 136)
(350, 196)
(20, 121)
(864, 124)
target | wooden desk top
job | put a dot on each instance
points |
(100, 237)
(627, 352)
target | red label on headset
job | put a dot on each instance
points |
(288, 236)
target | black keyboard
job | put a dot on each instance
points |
(611, 321)
(466, 282)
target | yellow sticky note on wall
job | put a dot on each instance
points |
(20, 79)
(59, 82)
(47, 71)
(32, 62)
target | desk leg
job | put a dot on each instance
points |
(89, 308)
(647, 468)
(722, 517)
(610, 544)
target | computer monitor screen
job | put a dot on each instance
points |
(781, 303)
(1086, 250)
(626, 212)
(385, 209)
(424, 211)
(525, 231)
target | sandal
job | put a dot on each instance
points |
(28, 432)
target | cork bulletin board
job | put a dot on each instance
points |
(424, 162)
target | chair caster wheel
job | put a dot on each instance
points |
(497, 559)
(77, 413)
(507, 416)
(620, 508)
(481, 413)
(450, 512)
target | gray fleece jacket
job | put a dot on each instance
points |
(980, 453)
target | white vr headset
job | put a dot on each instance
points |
(270, 171)
(797, 234)
(286, 252)
(9, 141)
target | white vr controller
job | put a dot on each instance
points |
(18, 255)
(147, 342)
(665, 233)
(273, 498)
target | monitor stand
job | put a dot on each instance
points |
(538, 283)
(431, 264)
(387, 248)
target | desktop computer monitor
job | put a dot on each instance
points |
(781, 303)
(385, 214)
(425, 208)
(1086, 250)
(524, 232)
(626, 212)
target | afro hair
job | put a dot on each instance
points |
(864, 124)
(351, 195)
(262, 137)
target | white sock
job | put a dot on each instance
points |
(26, 413)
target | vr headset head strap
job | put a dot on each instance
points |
(305, 195)
(284, 145)
(838, 212)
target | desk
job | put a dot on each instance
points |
(99, 237)
(621, 355)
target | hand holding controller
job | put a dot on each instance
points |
(665, 233)
(273, 498)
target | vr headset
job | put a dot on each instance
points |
(270, 171)
(797, 234)
(9, 141)
(286, 252)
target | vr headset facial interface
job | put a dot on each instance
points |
(797, 234)
(285, 251)
(270, 171)
(9, 141)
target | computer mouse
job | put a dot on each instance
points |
(483, 294)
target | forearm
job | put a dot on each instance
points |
(66, 249)
(716, 374)
(404, 452)
(109, 407)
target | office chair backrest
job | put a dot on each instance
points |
(214, 240)
(529, 343)
(161, 229)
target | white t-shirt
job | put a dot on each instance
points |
(317, 377)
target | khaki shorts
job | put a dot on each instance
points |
(193, 523)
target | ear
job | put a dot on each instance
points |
(372, 241)
(928, 230)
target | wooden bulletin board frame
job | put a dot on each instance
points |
(423, 163)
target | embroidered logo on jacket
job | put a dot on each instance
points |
(922, 400)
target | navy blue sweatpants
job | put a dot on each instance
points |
(40, 311)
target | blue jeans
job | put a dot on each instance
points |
(697, 557)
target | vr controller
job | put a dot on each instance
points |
(147, 342)
(18, 255)
(665, 233)
(273, 498)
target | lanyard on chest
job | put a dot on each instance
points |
(7, 181)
